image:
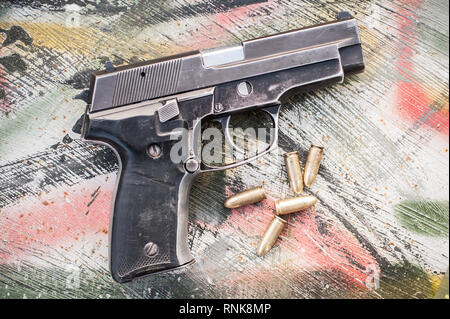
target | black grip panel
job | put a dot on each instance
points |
(149, 222)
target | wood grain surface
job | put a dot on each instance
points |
(380, 229)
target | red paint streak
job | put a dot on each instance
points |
(220, 26)
(62, 218)
(413, 102)
(316, 243)
(225, 19)
(56, 219)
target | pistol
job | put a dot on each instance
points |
(137, 110)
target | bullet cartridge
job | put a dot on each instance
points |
(295, 204)
(294, 171)
(247, 197)
(270, 235)
(312, 164)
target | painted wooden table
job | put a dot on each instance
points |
(380, 229)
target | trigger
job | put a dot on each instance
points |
(225, 123)
(274, 112)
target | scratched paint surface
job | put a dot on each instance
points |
(380, 229)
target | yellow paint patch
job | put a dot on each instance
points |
(60, 37)
(435, 281)
(89, 42)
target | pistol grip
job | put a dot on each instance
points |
(149, 224)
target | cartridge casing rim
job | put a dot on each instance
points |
(276, 205)
(290, 153)
(280, 219)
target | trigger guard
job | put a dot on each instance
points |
(223, 120)
(273, 111)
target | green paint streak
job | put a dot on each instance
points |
(85, 281)
(434, 37)
(424, 217)
(4, 11)
(40, 121)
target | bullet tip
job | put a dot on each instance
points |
(261, 252)
(230, 203)
(308, 179)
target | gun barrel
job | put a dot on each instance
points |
(196, 70)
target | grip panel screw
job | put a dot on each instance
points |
(151, 249)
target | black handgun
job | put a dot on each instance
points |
(138, 109)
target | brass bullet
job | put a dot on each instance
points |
(312, 164)
(294, 171)
(295, 204)
(270, 235)
(247, 197)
